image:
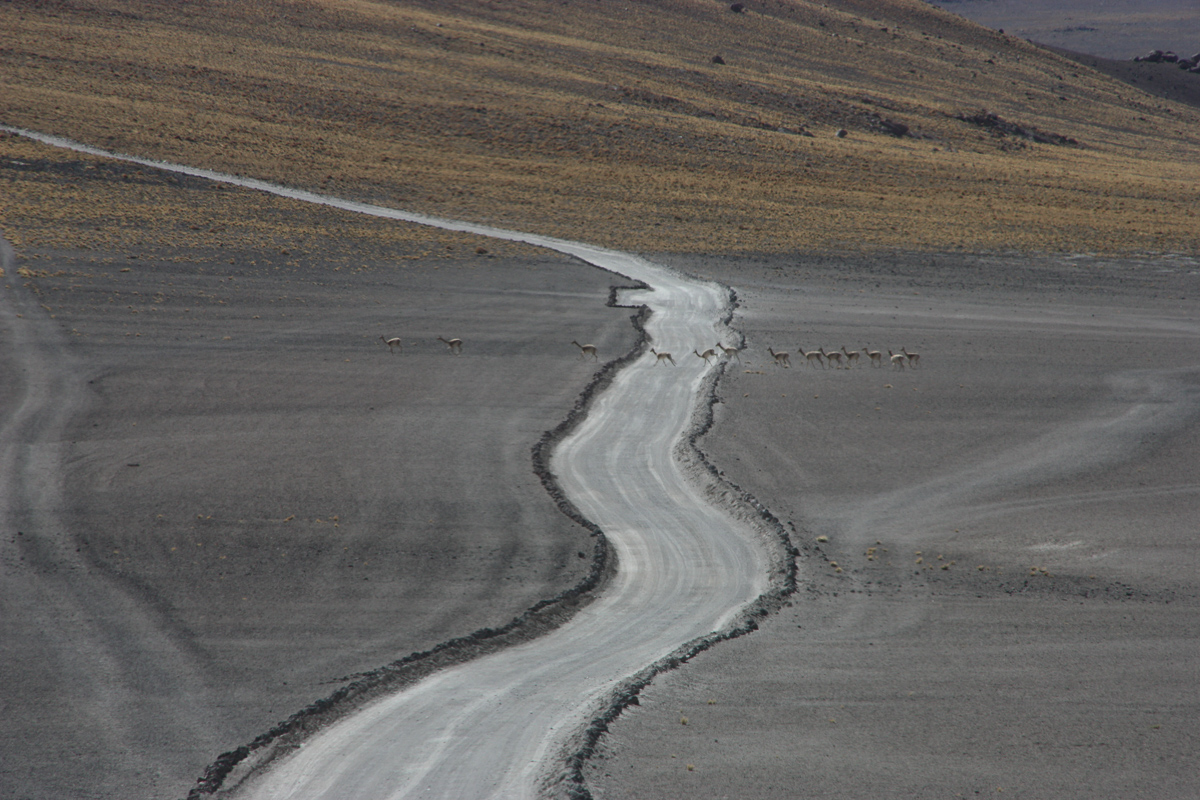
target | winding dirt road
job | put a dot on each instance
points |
(492, 727)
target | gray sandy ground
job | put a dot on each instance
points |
(1052, 424)
(225, 495)
(1014, 610)
(1113, 28)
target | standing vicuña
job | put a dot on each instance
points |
(662, 357)
(455, 345)
(393, 344)
(834, 357)
(586, 350)
(729, 351)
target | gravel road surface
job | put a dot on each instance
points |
(490, 728)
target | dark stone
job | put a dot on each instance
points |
(893, 128)
(1170, 57)
(841, 133)
(718, 60)
(737, 8)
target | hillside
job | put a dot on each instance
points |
(616, 125)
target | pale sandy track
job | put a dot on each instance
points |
(491, 727)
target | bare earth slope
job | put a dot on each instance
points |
(1160, 79)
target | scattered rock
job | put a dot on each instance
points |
(737, 8)
(718, 60)
(841, 133)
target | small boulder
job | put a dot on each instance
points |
(841, 133)
(737, 8)
(718, 60)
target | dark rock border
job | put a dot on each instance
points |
(570, 781)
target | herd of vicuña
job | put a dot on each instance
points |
(837, 358)
(845, 358)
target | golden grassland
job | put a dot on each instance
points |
(610, 122)
(51, 199)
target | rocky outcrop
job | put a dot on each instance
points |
(1003, 128)
(1190, 63)
(893, 128)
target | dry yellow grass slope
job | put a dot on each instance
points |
(613, 123)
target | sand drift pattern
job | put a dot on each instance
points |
(492, 727)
